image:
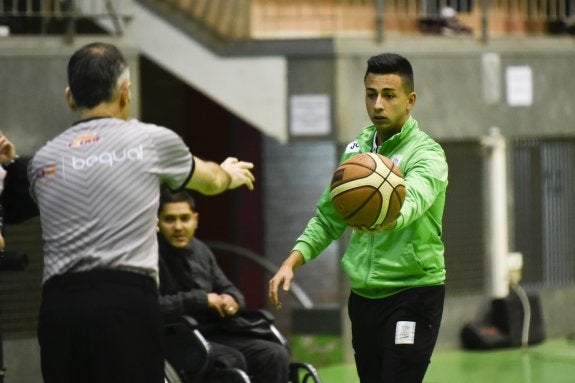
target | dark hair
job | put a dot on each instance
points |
(93, 73)
(391, 63)
(170, 196)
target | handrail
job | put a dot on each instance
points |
(238, 20)
(269, 266)
(69, 10)
(243, 20)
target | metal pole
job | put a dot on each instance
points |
(379, 10)
(114, 17)
(484, 20)
(497, 230)
(71, 23)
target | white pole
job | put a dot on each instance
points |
(497, 230)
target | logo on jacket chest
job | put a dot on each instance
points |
(352, 147)
(396, 159)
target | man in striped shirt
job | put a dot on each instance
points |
(97, 188)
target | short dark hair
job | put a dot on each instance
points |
(172, 196)
(392, 63)
(93, 73)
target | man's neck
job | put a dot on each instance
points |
(382, 137)
(101, 110)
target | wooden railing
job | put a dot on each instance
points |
(34, 16)
(301, 19)
(278, 19)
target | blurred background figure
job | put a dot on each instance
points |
(19, 207)
(440, 17)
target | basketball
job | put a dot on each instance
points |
(368, 190)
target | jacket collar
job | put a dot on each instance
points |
(409, 126)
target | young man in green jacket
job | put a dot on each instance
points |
(396, 272)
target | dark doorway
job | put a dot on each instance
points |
(213, 133)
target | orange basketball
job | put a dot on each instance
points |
(368, 190)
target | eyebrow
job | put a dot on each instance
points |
(176, 215)
(384, 89)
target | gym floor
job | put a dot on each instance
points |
(552, 361)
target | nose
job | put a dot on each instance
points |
(378, 103)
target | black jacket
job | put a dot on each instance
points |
(15, 200)
(186, 278)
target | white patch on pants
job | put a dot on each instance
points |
(405, 332)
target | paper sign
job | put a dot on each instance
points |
(310, 115)
(519, 86)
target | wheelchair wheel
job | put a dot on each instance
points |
(303, 373)
(170, 375)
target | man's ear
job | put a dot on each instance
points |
(411, 101)
(125, 94)
(70, 99)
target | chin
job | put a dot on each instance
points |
(381, 124)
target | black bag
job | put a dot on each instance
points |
(479, 336)
(247, 324)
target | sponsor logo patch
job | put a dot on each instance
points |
(352, 147)
(108, 159)
(84, 139)
(46, 171)
(396, 159)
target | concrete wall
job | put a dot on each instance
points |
(33, 80)
(462, 88)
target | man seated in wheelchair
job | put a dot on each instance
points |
(191, 283)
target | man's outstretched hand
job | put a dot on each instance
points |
(239, 172)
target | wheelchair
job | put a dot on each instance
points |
(189, 359)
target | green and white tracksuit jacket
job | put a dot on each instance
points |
(410, 255)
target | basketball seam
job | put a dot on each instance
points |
(393, 192)
(357, 178)
(362, 205)
(384, 180)
(375, 190)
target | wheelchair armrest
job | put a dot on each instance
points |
(190, 321)
(274, 334)
(260, 313)
(267, 315)
(181, 320)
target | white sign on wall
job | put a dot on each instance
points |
(519, 86)
(310, 115)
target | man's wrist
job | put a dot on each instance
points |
(11, 161)
(229, 181)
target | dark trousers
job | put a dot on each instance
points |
(393, 338)
(264, 361)
(101, 326)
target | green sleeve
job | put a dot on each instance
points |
(426, 180)
(325, 227)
